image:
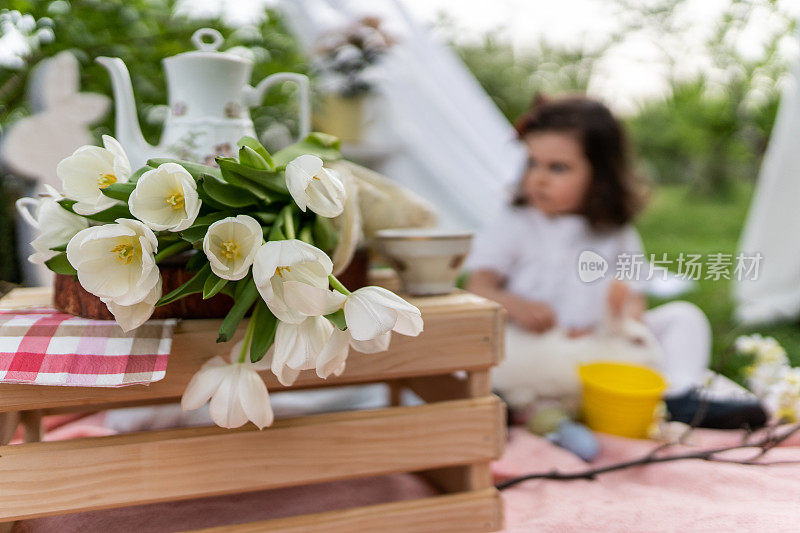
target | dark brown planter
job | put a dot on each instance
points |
(356, 274)
(70, 297)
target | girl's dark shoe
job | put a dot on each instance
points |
(717, 414)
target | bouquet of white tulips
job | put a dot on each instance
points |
(259, 227)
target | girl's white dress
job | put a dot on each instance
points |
(555, 260)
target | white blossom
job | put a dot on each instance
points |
(291, 262)
(116, 261)
(56, 227)
(235, 390)
(314, 187)
(89, 170)
(231, 245)
(165, 198)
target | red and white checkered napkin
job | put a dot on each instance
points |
(45, 347)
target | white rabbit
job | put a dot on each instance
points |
(33, 146)
(545, 365)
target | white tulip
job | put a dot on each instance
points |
(289, 261)
(315, 187)
(56, 227)
(116, 261)
(89, 170)
(373, 311)
(132, 316)
(236, 391)
(369, 312)
(316, 344)
(298, 345)
(333, 357)
(165, 198)
(286, 375)
(231, 244)
(305, 299)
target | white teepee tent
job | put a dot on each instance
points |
(773, 222)
(450, 143)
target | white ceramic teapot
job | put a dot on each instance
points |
(209, 101)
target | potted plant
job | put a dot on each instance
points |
(343, 58)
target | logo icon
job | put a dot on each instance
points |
(591, 266)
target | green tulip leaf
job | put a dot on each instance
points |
(273, 181)
(241, 285)
(251, 158)
(264, 333)
(326, 147)
(325, 235)
(196, 262)
(208, 200)
(245, 299)
(214, 217)
(60, 265)
(109, 215)
(306, 235)
(119, 191)
(265, 217)
(227, 194)
(192, 286)
(337, 319)
(194, 233)
(138, 174)
(262, 192)
(195, 169)
(256, 146)
(213, 285)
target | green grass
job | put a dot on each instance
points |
(678, 221)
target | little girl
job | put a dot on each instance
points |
(578, 194)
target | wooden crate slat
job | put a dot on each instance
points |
(44, 478)
(452, 441)
(460, 334)
(457, 513)
(27, 297)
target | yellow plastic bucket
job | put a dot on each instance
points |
(620, 398)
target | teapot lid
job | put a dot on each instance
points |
(209, 48)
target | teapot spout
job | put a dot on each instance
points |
(128, 132)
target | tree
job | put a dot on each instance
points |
(709, 129)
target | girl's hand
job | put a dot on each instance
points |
(534, 316)
(575, 333)
(623, 302)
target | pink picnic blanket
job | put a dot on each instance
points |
(688, 495)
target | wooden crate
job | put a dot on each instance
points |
(450, 439)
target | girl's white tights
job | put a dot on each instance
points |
(684, 333)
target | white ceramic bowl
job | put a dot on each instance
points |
(428, 260)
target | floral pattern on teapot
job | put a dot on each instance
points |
(233, 110)
(209, 97)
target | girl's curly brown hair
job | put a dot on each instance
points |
(615, 194)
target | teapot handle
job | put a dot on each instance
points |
(25, 212)
(254, 95)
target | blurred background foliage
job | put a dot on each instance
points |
(709, 129)
(142, 32)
